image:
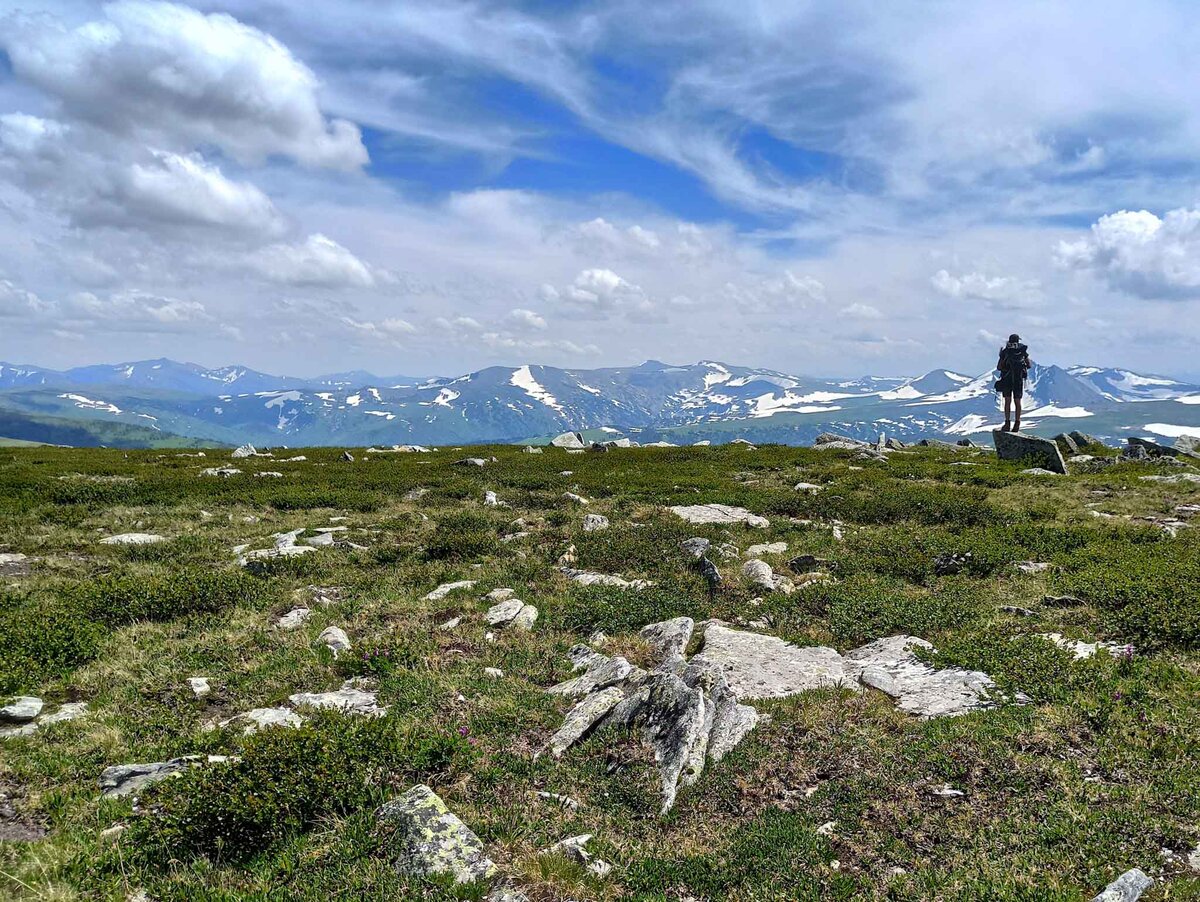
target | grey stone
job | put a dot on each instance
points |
(512, 613)
(594, 522)
(525, 618)
(571, 440)
(571, 496)
(293, 619)
(244, 451)
(324, 540)
(223, 472)
(133, 538)
(335, 639)
(1041, 452)
(125, 779)
(347, 457)
(1126, 888)
(574, 848)
(471, 462)
(759, 574)
(669, 638)
(446, 588)
(259, 718)
(1177, 479)
(759, 666)
(1082, 650)
(599, 672)
(810, 487)
(1067, 443)
(766, 548)
(589, 578)
(65, 712)
(721, 514)
(21, 709)
(491, 499)
(501, 594)
(349, 700)
(1189, 444)
(695, 547)
(199, 686)
(890, 666)
(429, 839)
(583, 718)
(529, 449)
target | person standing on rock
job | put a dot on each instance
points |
(1014, 367)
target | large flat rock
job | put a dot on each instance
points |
(1039, 452)
(720, 514)
(758, 666)
(890, 666)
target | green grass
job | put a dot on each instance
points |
(1096, 773)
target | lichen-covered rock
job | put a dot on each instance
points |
(335, 639)
(293, 619)
(594, 523)
(669, 637)
(588, 578)
(1126, 888)
(349, 699)
(132, 538)
(600, 672)
(721, 514)
(758, 666)
(890, 666)
(581, 719)
(429, 839)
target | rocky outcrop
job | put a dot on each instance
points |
(429, 839)
(132, 538)
(446, 588)
(589, 578)
(1018, 446)
(513, 614)
(570, 440)
(126, 779)
(350, 699)
(760, 666)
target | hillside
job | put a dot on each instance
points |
(923, 675)
(655, 401)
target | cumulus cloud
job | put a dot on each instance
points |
(596, 293)
(391, 330)
(776, 294)
(318, 261)
(1002, 291)
(171, 74)
(1140, 253)
(862, 311)
(18, 302)
(526, 319)
(137, 310)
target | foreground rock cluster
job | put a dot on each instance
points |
(694, 711)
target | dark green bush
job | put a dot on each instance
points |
(119, 598)
(463, 536)
(42, 640)
(289, 779)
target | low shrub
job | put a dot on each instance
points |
(41, 640)
(125, 597)
(463, 536)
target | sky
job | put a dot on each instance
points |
(434, 186)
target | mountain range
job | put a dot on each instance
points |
(163, 402)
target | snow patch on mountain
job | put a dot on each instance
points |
(1172, 431)
(88, 404)
(523, 379)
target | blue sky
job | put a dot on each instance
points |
(826, 188)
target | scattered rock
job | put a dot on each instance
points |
(806, 562)
(126, 779)
(529, 449)
(347, 457)
(719, 514)
(244, 451)
(696, 547)
(578, 499)
(491, 499)
(1020, 612)
(1126, 888)
(1175, 479)
(588, 578)
(574, 849)
(223, 472)
(1155, 449)
(471, 462)
(810, 487)
(1019, 446)
(594, 522)
(1031, 567)
(335, 639)
(1082, 650)
(890, 666)
(1039, 471)
(569, 440)
(293, 619)
(199, 686)
(429, 839)
(562, 801)
(133, 538)
(350, 699)
(512, 613)
(261, 718)
(759, 573)
(66, 711)
(669, 638)
(493, 673)
(950, 563)
(20, 710)
(502, 594)
(446, 588)
(767, 548)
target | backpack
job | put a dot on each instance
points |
(1014, 359)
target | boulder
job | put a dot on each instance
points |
(259, 718)
(720, 514)
(1066, 443)
(1018, 446)
(430, 840)
(589, 578)
(1156, 449)
(1189, 444)
(335, 639)
(571, 440)
(1126, 888)
(669, 638)
(695, 547)
(446, 588)
(594, 522)
(581, 719)
(350, 699)
(244, 451)
(1082, 439)
(21, 709)
(471, 462)
(759, 574)
(599, 672)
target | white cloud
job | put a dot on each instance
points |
(1140, 253)
(17, 302)
(171, 74)
(1003, 291)
(318, 261)
(596, 292)
(862, 311)
(776, 294)
(137, 310)
(390, 331)
(526, 319)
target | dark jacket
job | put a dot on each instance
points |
(1013, 365)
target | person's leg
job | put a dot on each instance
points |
(1017, 403)
(1007, 412)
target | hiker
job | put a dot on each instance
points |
(1014, 367)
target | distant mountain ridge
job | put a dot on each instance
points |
(654, 401)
